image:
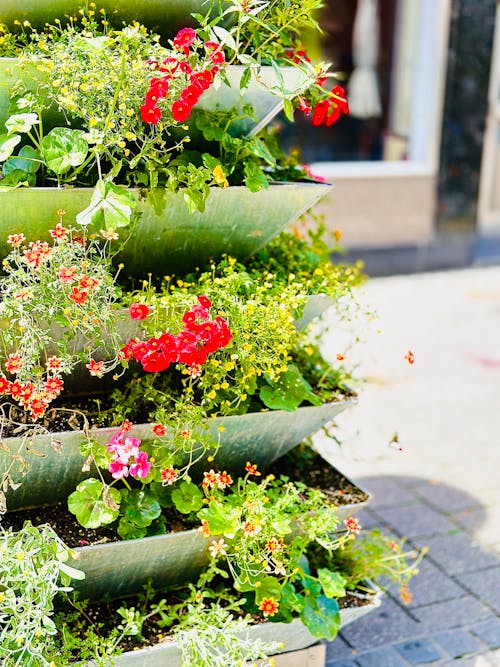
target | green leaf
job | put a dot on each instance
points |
(245, 78)
(288, 109)
(27, 160)
(21, 122)
(255, 179)
(139, 507)
(333, 583)
(269, 587)
(187, 497)
(321, 617)
(291, 601)
(110, 207)
(311, 585)
(63, 148)
(17, 178)
(195, 200)
(7, 145)
(71, 572)
(290, 390)
(128, 530)
(94, 504)
(259, 149)
(222, 519)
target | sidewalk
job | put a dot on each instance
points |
(439, 484)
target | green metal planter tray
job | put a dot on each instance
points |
(165, 16)
(54, 461)
(235, 221)
(294, 636)
(120, 568)
(262, 94)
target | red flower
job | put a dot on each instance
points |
(268, 606)
(184, 38)
(150, 114)
(201, 79)
(54, 385)
(14, 363)
(180, 111)
(59, 232)
(352, 525)
(15, 240)
(67, 275)
(159, 429)
(96, 368)
(320, 111)
(251, 468)
(16, 389)
(168, 475)
(138, 311)
(191, 95)
(204, 301)
(78, 297)
(158, 86)
(4, 385)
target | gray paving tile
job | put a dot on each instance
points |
(451, 614)
(383, 657)
(457, 553)
(367, 518)
(416, 520)
(488, 632)
(486, 585)
(341, 663)
(458, 643)
(432, 585)
(445, 498)
(482, 523)
(491, 659)
(339, 650)
(419, 651)
(385, 625)
(387, 492)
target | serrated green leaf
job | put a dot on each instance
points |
(94, 504)
(187, 497)
(139, 507)
(255, 179)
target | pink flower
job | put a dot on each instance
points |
(118, 469)
(138, 311)
(15, 240)
(96, 368)
(59, 232)
(141, 467)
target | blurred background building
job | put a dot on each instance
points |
(416, 164)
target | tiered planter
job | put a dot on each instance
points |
(235, 221)
(294, 636)
(55, 464)
(166, 239)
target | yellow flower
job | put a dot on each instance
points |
(220, 177)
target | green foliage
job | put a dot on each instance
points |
(94, 503)
(32, 569)
(187, 497)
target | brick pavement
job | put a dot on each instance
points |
(442, 490)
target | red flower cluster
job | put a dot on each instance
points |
(172, 69)
(33, 399)
(328, 111)
(191, 346)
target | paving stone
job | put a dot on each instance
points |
(484, 660)
(367, 518)
(419, 651)
(432, 585)
(446, 498)
(488, 632)
(486, 585)
(387, 492)
(339, 650)
(383, 657)
(416, 520)
(451, 614)
(385, 625)
(457, 553)
(458, 643)
(483, 523)
(341, 663)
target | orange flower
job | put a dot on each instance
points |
(96, 368)
(14, 363)
(340, 357)
(210, 479)
(59, 232)
(224, 480)
(15, 240)
(268, 606)
(275, 544)
(159, 429)
(410, 357)
(352, 525)
(78, 297)
(205, 527)
(252, 469)
(168, 475)
(405, 594)
(54, 364)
